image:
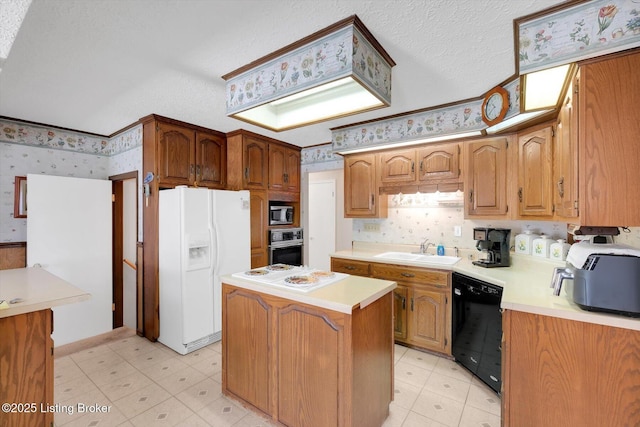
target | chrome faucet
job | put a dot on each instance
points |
(424, 246)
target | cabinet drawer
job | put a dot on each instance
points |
(357, 268)
(406, 274)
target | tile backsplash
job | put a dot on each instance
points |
(411, 220)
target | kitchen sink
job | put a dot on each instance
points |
(421, 258)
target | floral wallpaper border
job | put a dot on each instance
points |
(319, 154)
(334, 56)
(57, 139)
(583, 31)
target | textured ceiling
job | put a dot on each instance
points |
(98, 66)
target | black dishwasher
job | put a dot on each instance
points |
(476, 328)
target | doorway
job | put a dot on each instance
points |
(125, 234)
(322, 223)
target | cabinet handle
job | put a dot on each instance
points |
(520, 194)
(246, 173)
(404, 303)
(286, 177)
(412, 167)
(411, 303)
(407, 274)
(471, 196)
(561, 186)
(349, 267)
(372, 200)
(198, 170)
(191, 169)
(421, 165)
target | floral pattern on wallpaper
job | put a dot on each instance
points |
(54, 138)
(583, 31)
(454, 119)
(319, 154)
(336, 55)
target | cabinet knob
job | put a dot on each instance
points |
(404, 274)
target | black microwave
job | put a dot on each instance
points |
(280, 215)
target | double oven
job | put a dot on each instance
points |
(285, 246)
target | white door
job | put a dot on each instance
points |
(69, 235)
(322, 223)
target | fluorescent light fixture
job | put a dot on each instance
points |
(12, 14)
(340, 98)
(542, 89)
(515, 120)
(335, 72)
(409, 143)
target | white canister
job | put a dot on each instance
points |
(524, 242)
(558, 251)
(541, 246)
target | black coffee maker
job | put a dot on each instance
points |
(494, 244)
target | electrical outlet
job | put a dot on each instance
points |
(457, 231)
(371, 226)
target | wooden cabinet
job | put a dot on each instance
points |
(284, 169)
(187, 156)
(425, 169)
(563, 372)
(400, 298)
(397, 166)
(304, 365)
(486, 177)
(608, 149)
(361, 198)
(439, 163)
(259, 206)
(427, 307)
(534, 164)
(565, 156)
(255, 163)
(422, 310)
(26, 366)
(247, 367)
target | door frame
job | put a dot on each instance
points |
(117, 245)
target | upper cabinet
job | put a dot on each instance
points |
(185, 154)
(608, 148)
(284, 168)
(361, 198)
(565, 156)
(256, 162)
(428, 168)
(535, 191)
(486, 177)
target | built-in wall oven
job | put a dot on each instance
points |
(477, 328)
(285, 246)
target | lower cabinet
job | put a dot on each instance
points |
(422, 310)
(26, 369)
(564, 372)
(307, 366)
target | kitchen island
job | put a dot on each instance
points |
(561, 365)
(26, 347)
(317, 358)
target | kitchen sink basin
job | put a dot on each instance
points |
(421, 258)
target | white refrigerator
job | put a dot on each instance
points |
(203, 235)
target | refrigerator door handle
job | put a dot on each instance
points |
(215, 243)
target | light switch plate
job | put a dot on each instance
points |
(371, 226)
(457, 231)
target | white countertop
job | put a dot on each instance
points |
(525, 285)
(38, 289)
(343, 296)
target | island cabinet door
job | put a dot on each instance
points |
(246, 332)
(309, 363)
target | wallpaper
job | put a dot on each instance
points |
(31, 149)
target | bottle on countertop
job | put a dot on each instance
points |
(541, 246)
(524, 242)
(558, 251)
(440, 250)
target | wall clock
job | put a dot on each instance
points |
(495, 105)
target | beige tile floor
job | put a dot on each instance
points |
(141, 383)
